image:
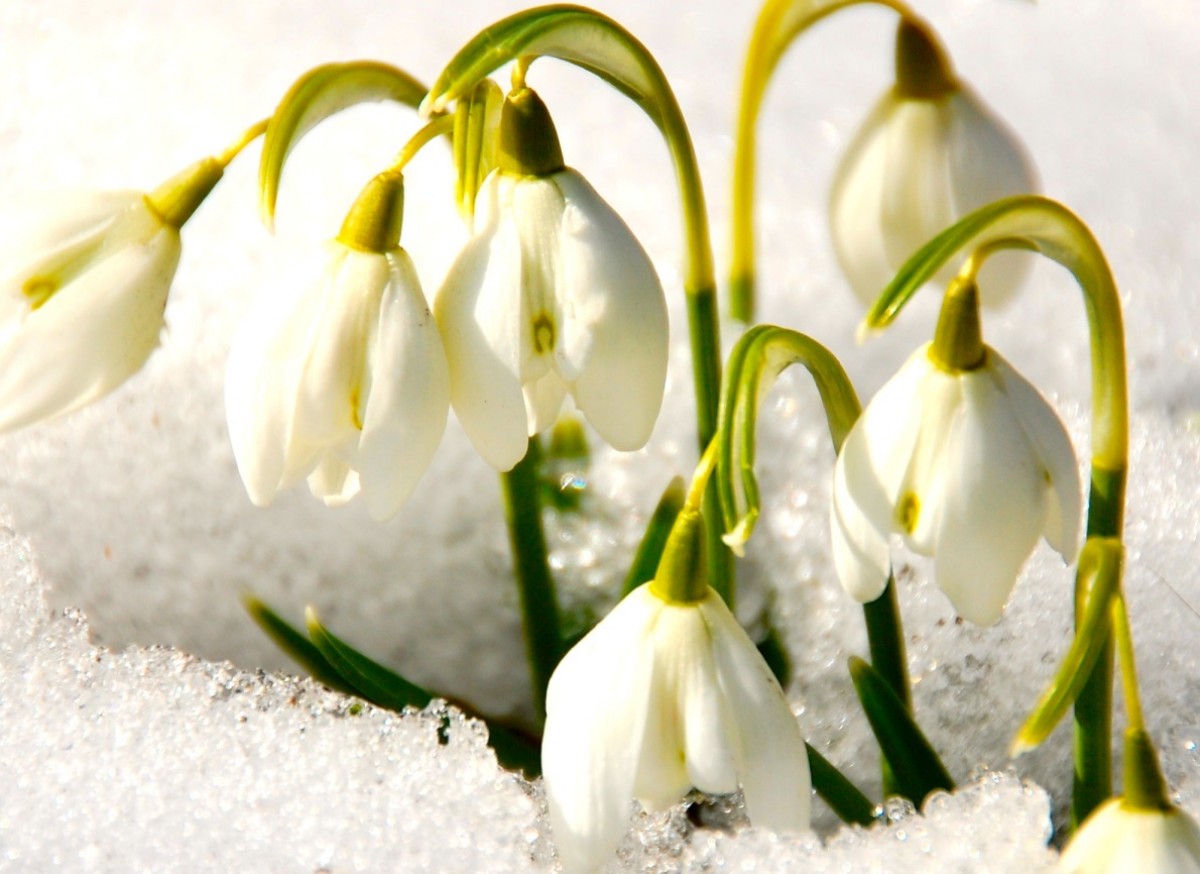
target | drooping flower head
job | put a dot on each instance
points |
(552, 296)
(960, 455)
(346, 382)
(929, 153)
(81, 306)
(666, 693)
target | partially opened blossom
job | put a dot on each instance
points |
(970, 466)
(344, 384)
(83, 286)
(552, 296)
(929, 153)
(661, 696)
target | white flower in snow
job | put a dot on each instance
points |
(81, 306)
(552, 296)
(1119, 837)
(660, 697)
(346, 385)
(970, 467)
(928, 154)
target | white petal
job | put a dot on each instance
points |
(860, 548)
(1052, 444)
(479, 314)
(993, 504)
(699, 750)
(333, 481)
(408, 393)
(918, 201)
(856, 204)
(1116, 838)
(614, 335)
(772, 760)
(987, 163)
(543, 401)
(94, 332)
(595, 714)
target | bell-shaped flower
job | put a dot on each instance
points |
(1119, 837)
(83, 293)
(552, 296)
(929, 153)
(345, 385)
(663, 695)
(969, 465)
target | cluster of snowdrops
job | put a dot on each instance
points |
(347, 384)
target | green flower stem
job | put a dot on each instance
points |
(1044, 226)
(535, 585)
(601, 46)
(248, 136)
(757, 360)
(779, 23)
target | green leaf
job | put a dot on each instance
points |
(295, 644)
(915, 765)
(843, 797)
(776, 655)
(654, 540)
(1099, 572)
(382, 686)
(318, 94)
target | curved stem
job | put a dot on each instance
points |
(248, 136)
(602, 47)
(1042, 225)
(535, 585)
(443, 124)
(779, 23)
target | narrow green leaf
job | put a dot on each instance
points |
(776, 655)
(658, 529)
(382, 686)
(843, 797)
(371, 680)
(916, 766)
(318, 94)
(1099, 572)
(296, 645)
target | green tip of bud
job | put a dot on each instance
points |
(373, 224)
(528, 140)
(1145, 786)
(923, 70)
(180, 196)
(682, 574)
(958, 339)
(568, 440)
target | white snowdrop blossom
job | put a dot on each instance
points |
(658, 698)
(1119, 837)
(346, 385)
(552, 296)
(919, 163)
(970, 467)
(81, 302)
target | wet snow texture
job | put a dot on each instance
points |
(135, 756)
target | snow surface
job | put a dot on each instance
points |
(121, 752)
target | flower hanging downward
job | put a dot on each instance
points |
(928, 154)
(553, 295)
(81, 308)
(663, 695)
(960, 455)
(347, 384)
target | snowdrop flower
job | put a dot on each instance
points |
(1119, 837)
(346, 385)
(960, 455)
(663, 695)
(929, 153)
(81, 304)
(552, 296)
